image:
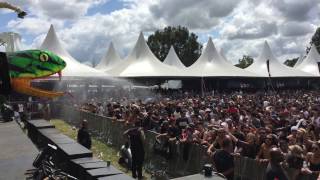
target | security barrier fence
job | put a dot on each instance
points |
(179, 164)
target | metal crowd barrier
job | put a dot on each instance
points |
(111, 132)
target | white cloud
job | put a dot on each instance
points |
(295, 10)
(253, 22)
(65, 9)
(254, 30)
(296, 28)
(195, 15)
(33, 25)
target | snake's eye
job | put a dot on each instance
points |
(44, 57)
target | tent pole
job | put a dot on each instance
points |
(269, 77)
(202, 86)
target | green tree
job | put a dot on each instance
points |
(291, 62)
(315, 40)
(245, 61)
(185, 44)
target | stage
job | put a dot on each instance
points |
(17, 152)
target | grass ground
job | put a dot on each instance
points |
(100, 149)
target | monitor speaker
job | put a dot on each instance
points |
(5, 87)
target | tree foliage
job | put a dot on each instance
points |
(315, 40)
(245, 61)
(185, 44)
(291, 62)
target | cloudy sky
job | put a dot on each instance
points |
(240, 27)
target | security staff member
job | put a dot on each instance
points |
(136, 138)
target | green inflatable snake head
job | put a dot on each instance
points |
(23, 66)
(33, 64)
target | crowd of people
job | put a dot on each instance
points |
(22, 110)
(247, 124)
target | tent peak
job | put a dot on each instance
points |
(141, 36)
(141, 62)
(210, 46)
(210, 42)
(266, 53)
(111, 46)
(299, 61)
(210, 52)
(310, 63)
(74, 68)
(172, 59)
(141, 49)
(275, 68)
(52, 43)
(110, 59)
(313, 50)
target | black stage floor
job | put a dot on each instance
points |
(17, 152)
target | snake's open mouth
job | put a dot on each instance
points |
(23, 85)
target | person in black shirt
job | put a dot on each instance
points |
(249, 148)
(182, 122)
(83, 137)
(173, 130)
(274, 169)
(223, 160)
(136, 137)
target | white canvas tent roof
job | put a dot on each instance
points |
(172, 59)
(109, 60)
(310, 63)
(142, 63)
(299, 61)
(88, 63)
(11, 40)
(277, 69)
(74, 68)
(211, 64)
(222, 54)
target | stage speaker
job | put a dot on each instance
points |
(5, 87)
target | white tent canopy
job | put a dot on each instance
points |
(88, 63)
(222, 54)
(142, 63)
(74, 68)
(11, 40)
(277, 69)
(310, 63)
(211, 64)
(299, 61)
(109, 60)
(172, 59)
